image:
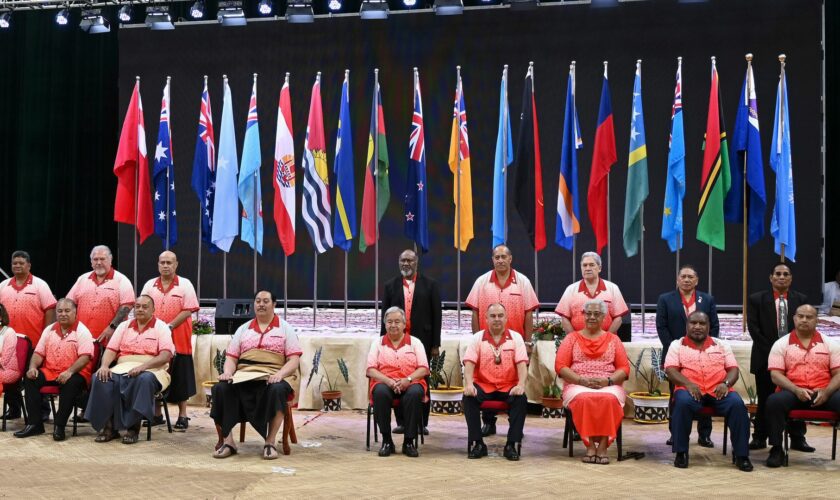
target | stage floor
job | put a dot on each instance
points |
(330, 461)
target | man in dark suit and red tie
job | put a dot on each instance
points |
(419, 296)
(770, 317)
(672, 309)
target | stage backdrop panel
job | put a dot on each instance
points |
(482, 41)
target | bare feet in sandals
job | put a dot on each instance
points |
(225, 451)
(270, 452)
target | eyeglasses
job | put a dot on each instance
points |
(593, 313)
(781, 274)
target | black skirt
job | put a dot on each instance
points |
(254, 401)
(182, 386)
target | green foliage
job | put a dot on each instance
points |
(548, 330)
(202, 327)
(219, 361)
(552, 390)
(655, 375)
(439, 378)
(332, 383)
(751, 394)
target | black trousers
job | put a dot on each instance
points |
(383, 397)
(254, 401)
(780, 403)
(67, 394)
(427, 409)
(764, 388)
(516, 414)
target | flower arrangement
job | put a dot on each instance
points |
(202, 327)
(655, 375)
(548, 330)
(332, 383)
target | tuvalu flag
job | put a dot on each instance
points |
(316, 208)
(226, 201)
(459, 165)
(672, 212)
(568, 212)
(637, 172)
(416, 210)
(603, 157)
(284, 173)
(374, 204)
(163, 176)
(715, 180)
(527, 173)
(783, 222)
(344, 228)
(133, 202)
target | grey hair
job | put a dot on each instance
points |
(101, 248)
(65, 300)
(600, 303)
(595, 257)
(498, 304)
(394, 309)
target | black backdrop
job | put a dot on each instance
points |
(482, 42)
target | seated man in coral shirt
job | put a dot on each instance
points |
(703, 371)
(61, 358)
(495, 369)
(806, 369)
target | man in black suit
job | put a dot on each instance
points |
(672, 309)
(770, 317)
(419, 296)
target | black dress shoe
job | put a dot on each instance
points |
(30, 430)
(398, 430)
(425, 431)
(776, 457)
(478, 450)
(681, 460)
(705, 442)
(801, 445)
(743, 464)
(510, 452)
(488, 429)
(758, 444)
(387, 449)
(58, 434)
(409, 450)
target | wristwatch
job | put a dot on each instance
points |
(609, 381)
(409, 379)
(113, 326)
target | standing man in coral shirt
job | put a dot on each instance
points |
(104, 296)
(175, 301)
(31, 307)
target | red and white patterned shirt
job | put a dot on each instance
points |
(278, 337)
(482, 352)
(170, 303)
(98, 302)
(576, 294)
(151, 340)
(397, 362)
(807, 368)
(705, 366)
(60, 352)
(517, 295)
(26, 305)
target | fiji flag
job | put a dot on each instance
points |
(164, 178)
(249, 179)
(416, 209)
(344, 229)
(204, 167)
(568, 212)
(783, 223)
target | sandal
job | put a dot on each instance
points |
(589, 459)
(225, 451)
(130, 437)
(182, 424)
(106, 435)
(601, 460)
(267, 453)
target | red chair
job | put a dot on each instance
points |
(52, 391)
(709, 411)
(497, 407)
(568, 438)
(827, 416)
(23, 351)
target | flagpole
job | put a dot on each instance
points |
(285, 285)
(536, 259)
(609, 245)
(315, 289)
(376, 195)
(254, 214)
(642, 222)
(574, 151)
(505, 119)
(171, 162)
(346, 79)
(745, 251)
(224, 257)
(782, 110)
(200, 231)
(458, 194)
(137, 201)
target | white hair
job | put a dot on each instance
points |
(101, 248)
(600, 303)
(394, 309)
(593, 255)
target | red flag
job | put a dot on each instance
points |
(603, 157)
(132, 164)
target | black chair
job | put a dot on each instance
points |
(394, 404)
(160, 398)
(568, 432)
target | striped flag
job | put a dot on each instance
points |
(503, 159)
(459, 165)
(226, 202)
(344, 228)
(250, 190)
(672, 212)
(284, 173)
(203, 179)
(603, 158)
(163, 178)
(416, 211)
(783, 222)
(527, 174)
(316, 182)
(568, 212)
(373, 204)
(637, 172)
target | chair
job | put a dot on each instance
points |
(23, 351)
(288, 432)
(570, 428)
(709, 411)
(160, 398)
(827, 416)
(52, 391)
(497, 407)
(394, 404)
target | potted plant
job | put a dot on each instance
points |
(651, 405)
(332, 396)
(550, 329)
(552, 400)
(202, 327)
(219, 364)
(752, 406)
(446, 398)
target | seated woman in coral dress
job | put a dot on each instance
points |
(10, 372)
(593, 364)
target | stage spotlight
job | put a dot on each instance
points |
(448, 7)
(5, 20)
(300, 12)
(62, 17)
(409, 3)
(374, 9)
(604, 3)
(158, 18)
(94, 22)
(265, 7)
(126, 11)
(523, 4)
(197, 9)
(231, 14)
(334, 5)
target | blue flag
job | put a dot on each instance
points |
(503, 159)
(672, 213)
(746, 142)
(163, 175)
(226, 202)
(783, 223)
(568, 211)
(249, 179)
(416, 209)
(203, 180)
(344, 228)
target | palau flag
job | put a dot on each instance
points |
(783, 222)
(250, 191)
(226, 202)
(603, 157)
(416, 210)
(374, 204)
(672, 213)
(203, 180)
(344, 228)
(163, 177)
(316, 208)
(637, 172)
(459, 165)
(568, 211)
(503, 159)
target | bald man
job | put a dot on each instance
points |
(175, 302)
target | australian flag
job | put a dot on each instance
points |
(416, 209)
(164, 179)
(204, 168)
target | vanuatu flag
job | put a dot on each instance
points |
(373, 203)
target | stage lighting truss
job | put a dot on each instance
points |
(158, 18)
(449, 7)
(265, 7)
(523, 4)
(334, 5)
(5, 20)
(374, 9)
(197, 9)
(94, 22)
(126, 13)
(231, 14)
(300, 11)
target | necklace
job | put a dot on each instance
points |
(497, 353)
